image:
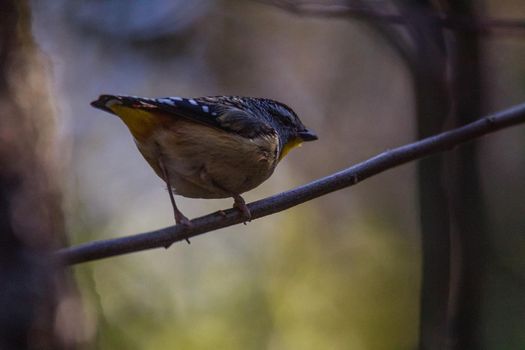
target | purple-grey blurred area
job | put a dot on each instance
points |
(339, 272)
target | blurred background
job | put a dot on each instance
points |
(340, 272)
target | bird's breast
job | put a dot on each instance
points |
(203, 162)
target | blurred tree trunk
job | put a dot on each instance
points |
(470, 234)
(432, 98)
(453, 219)
(31, 223)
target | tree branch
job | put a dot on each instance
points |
(335, 10)
(279, 202)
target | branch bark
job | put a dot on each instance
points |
(342, 179)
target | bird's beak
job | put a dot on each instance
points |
(307, 135)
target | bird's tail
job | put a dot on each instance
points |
(105, 102)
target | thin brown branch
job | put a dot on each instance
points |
(345, 178)
(335, 10)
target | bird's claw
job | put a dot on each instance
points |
(180, 219)
(184, 221)
(245, 211)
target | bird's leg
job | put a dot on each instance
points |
(240, 204)
(179, 217)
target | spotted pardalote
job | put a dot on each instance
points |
(209, 147)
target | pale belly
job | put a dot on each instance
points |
(203, 162)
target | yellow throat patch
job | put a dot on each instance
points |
(295, 142)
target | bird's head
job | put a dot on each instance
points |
(291, 130)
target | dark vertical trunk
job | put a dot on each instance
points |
(470, 216)
(432, 108)
(432, 100)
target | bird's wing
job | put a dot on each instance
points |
(210, 111)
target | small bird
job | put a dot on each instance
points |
(209, 147)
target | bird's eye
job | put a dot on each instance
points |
(283, 118)
(286, 121)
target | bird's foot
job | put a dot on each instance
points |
(241, 205)
(180, 219)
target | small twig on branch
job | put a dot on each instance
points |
(334, 10)
(345, 178)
